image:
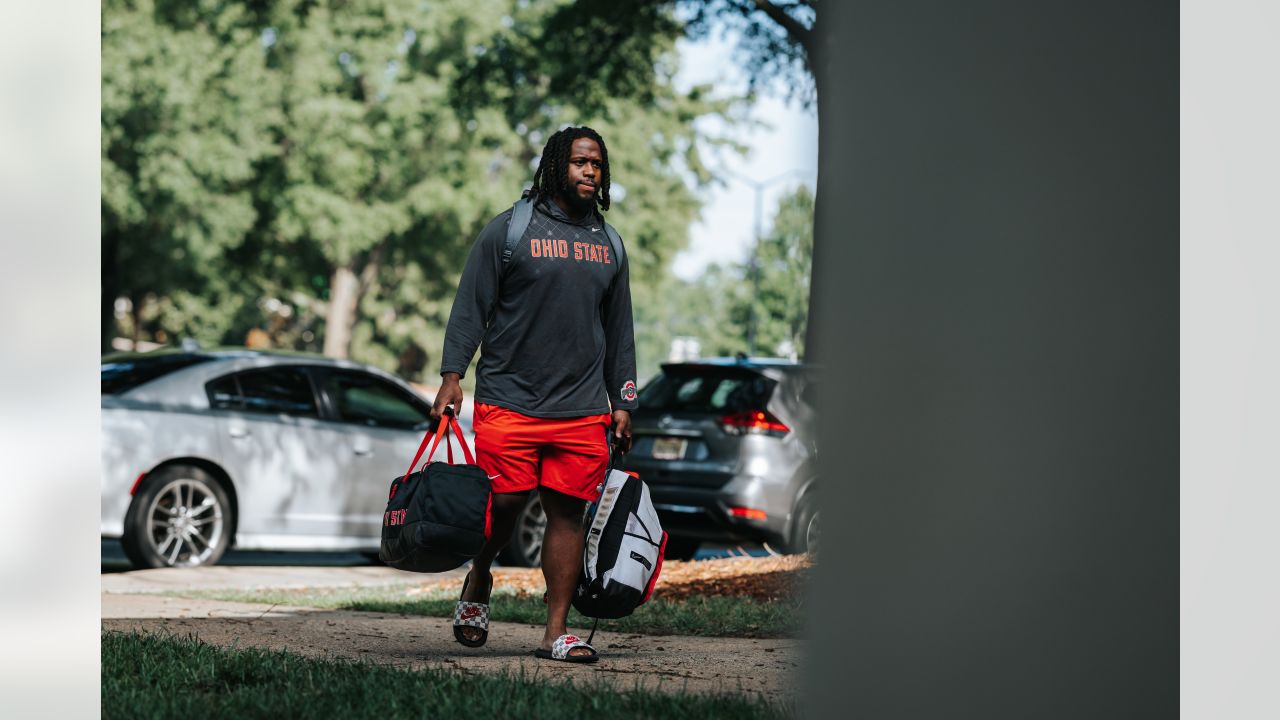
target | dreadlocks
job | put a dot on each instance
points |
(552, 177)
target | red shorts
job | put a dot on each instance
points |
(568, 455)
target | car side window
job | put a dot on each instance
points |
(277, 390)
(369, 400)
(224, 393)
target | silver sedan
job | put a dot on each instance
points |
(264, 451)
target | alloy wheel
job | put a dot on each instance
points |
(529, 533)
(811, 534)
(185, 523)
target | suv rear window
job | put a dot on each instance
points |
(706, 389)
(123, 374)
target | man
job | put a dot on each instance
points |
(556, 377)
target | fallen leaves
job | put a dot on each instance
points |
(763, 578)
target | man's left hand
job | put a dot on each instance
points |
(622, 430)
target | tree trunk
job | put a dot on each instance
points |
(346, 290)
(135, 307)
(811, 351)
(344, 296)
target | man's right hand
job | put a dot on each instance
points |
(450, 394)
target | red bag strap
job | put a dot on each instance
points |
(443, 430)
(440, 430)
(466, 450)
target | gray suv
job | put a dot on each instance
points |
(727, 449)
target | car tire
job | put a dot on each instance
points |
(181, 516)
(805, 530)
(525, 547)
(681, 548)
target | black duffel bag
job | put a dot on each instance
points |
(440, 516)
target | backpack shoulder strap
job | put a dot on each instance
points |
(521, 216)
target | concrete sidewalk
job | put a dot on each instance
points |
(762, 668)
(218, 577)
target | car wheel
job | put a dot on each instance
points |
(681, 549)
(806, 532)
(180, 517)
(525, 547)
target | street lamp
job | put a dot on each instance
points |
(754, 267)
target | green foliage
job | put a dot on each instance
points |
(186, 108)
(256, 151)
(166, 676)
(784, 263)
(718, 307)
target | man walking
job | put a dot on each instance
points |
(556, 379)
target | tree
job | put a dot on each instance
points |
(406, 129)
(718, 306)
(373, 141)
(777, 40)
(186, 106)
(650, 145)
(781, 288)
(780, 46)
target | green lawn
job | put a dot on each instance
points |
(708, 616)
(147, 676)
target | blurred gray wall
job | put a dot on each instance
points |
(997, 308)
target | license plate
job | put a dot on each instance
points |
(669, 448)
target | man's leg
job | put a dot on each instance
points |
(510, 458)
(506, 506)
(561, 560)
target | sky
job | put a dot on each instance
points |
(725, 233)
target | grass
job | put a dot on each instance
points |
(149, 676)
(706, 616)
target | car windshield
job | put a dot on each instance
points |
(121, 375)
(706, 389)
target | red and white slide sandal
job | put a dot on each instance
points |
(561, 647)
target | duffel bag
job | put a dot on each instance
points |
(440, 516)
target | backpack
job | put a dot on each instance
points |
(439, 517)
(522, 215)
(624, 547)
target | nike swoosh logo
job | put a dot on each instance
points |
(495, 477)
(595, 229)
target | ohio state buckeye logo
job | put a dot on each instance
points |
(629, 391)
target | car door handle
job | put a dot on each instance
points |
(362, 450)
(238, 432)
(362, 446)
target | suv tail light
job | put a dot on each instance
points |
(753, 422)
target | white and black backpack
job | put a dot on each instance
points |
(623, 554)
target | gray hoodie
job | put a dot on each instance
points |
(553, 325)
